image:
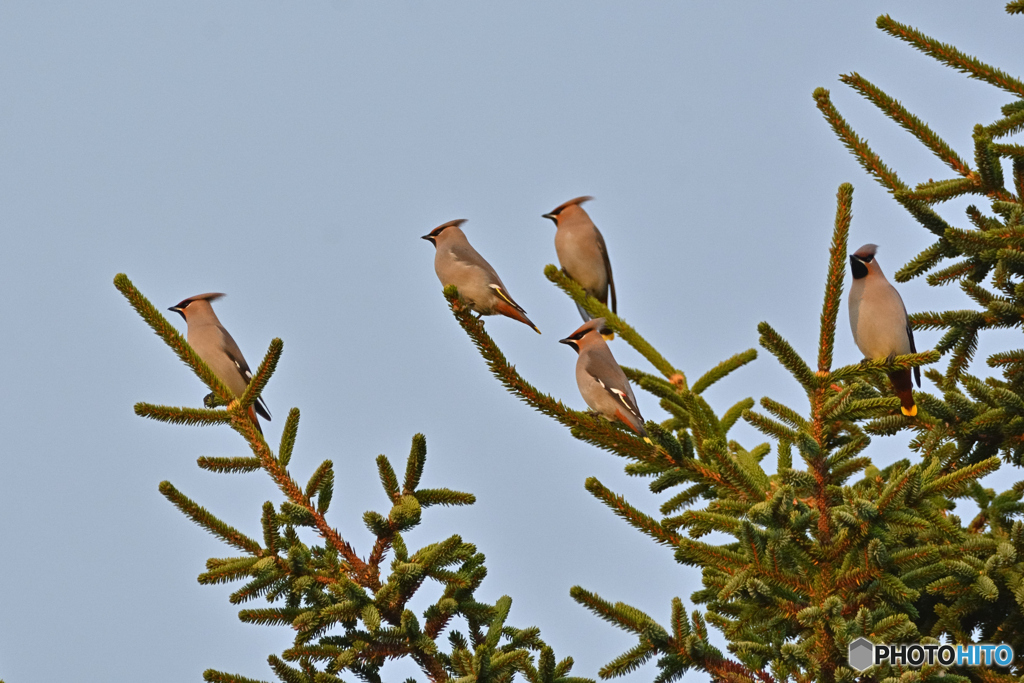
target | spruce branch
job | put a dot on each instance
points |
(214, 676)
(228, 465)
(924, 261)
(182, 416)
(262, 375)
(170, 335)
(592, 429)
(934, 192)
(950, 56)
(207, 520)
(952, 273)
(599, 310)
(870, 366)
(644, 523)
(415, 463)
(787, 355)
(328, 586)
(288, 435)
(836, 274)
(873, 164)
(297, 496)
(910, 123)
(723, 369)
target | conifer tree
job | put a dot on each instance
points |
(350, 614)
(823, 547)
(829, 547)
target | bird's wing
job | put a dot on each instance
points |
(500, 291)
(607, 266)
(622, 397)
(235, 354)
(614, 381)
(465, 253)
(913, 349)
(910, 337)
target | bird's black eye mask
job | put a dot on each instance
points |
(432, 236)
(180, 308)
(573, 341)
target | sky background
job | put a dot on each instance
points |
(291, 155)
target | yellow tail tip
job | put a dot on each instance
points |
(609, 336)
(648, 440)
(909, 412)
(536, 329)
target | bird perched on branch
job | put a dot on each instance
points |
(880, 324)
(583, 255)
(602, 382)
(217, 349)
(457, 263)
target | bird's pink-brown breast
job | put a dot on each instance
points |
(877, 318)
(579, 253)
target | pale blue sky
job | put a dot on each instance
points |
(291, 154)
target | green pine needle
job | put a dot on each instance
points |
(214, 676)
(183, 416)
(262, 375)
(787, 356)
(723, 369)
(950, 56)
(913, 125)
(288, 434)
(208, 521)
(229, 465)
(599, 310)
(836, 274)
(640, 521)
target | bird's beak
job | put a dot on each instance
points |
(551, 216)
(180, 311)
(429, 238)
(570, 342)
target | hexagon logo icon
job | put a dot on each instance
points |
(862, 654)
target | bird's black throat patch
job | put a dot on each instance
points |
(859, 268)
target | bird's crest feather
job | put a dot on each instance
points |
(561, 207)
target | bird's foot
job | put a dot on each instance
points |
(212, 400)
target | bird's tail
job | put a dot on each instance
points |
(634, 422)
(256, 422)
(904, 388)
(514, 313)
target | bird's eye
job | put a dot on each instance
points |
(869, 258)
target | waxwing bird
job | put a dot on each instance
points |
(602, 382)
(457, 263)
(583, 255)
(879, 322)
(217, 349)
